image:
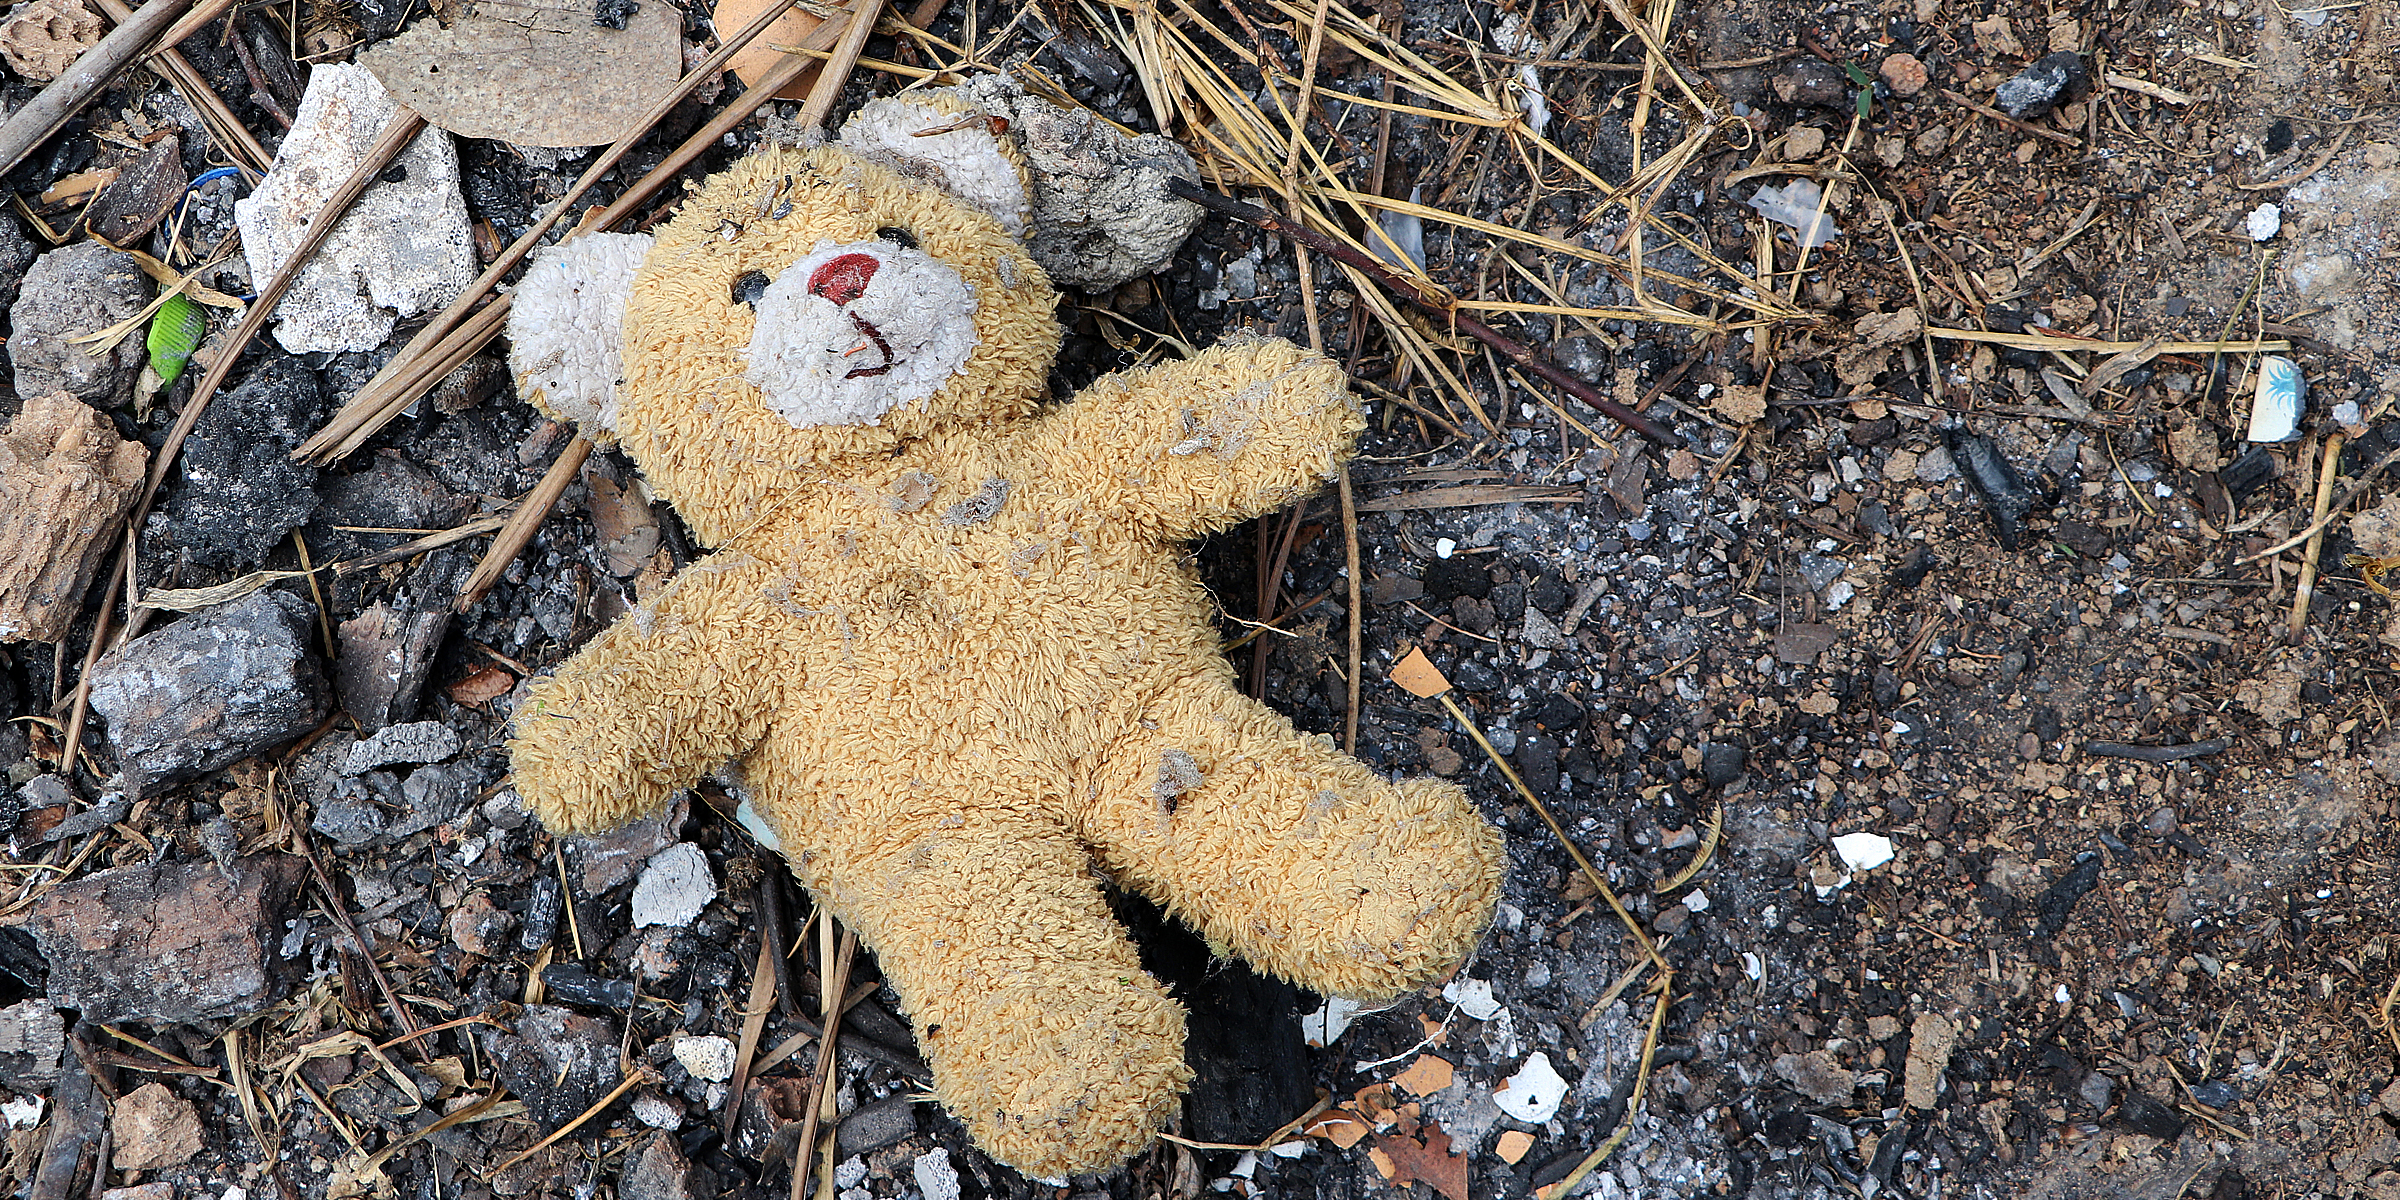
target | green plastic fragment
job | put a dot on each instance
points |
(175, 332)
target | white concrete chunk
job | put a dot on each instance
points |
(404, 248)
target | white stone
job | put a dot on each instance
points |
(411, 743)
(657, 1111)
(935, 1176)
(22, 1112)
(675, 886)
(1532, 1095)
(1863, 851)
(2264, 222)
(1696, 900)
(403, 248)
(709, 1058)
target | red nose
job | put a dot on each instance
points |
(844, 279)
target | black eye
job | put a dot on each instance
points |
(893, 233)
(749, 287)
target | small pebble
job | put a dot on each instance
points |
(1904, 73)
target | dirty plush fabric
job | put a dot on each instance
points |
(960, 662)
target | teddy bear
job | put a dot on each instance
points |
(945, 634)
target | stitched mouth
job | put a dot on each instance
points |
(875, 336)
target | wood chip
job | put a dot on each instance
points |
(1513, 1145)
(70, 481)
(1429, 1074)
(1469, 496)
(1417, 674)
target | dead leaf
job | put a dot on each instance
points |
(1418, 676)
(1888, 329)
(1741, 404)
(2118, 366)
(1340, 1126)
(1373, 1103)
(1995, 33)
(1428, 1162)
(501, 68)
(1429, 1074)
(2196, 447)
(484, 686)
(1798, 643)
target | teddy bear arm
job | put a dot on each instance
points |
(1241, 429)
(671, 691)
(1279, 848)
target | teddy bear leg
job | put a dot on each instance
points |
(1277, 847)
(1046, 1037)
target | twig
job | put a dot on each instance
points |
(829, 993)
(754, 1022)
(2159, 754)
(341, 916)
(837, 70)
(1358, 616)
(92, 70)
(521, 523)
(461, 329)
(2312, 168)
(1516, 351)
(597, 1106)
(2005, 119)
(2307, 590)
(2348, 494)
(396, 137)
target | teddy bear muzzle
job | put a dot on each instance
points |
(855, 330)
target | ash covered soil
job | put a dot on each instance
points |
(2079, 973)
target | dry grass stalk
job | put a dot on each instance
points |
(837, 68)
(833, 977)
(230, 134)
(1180, 64)
(754, 1022)
(2307, 589)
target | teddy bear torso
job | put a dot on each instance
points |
(962, 620)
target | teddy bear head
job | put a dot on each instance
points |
(802, 308)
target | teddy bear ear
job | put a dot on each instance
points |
(566, 328)
(945, 140)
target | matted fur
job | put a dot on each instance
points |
(962, 663)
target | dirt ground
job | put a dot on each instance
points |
(2133, 938)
